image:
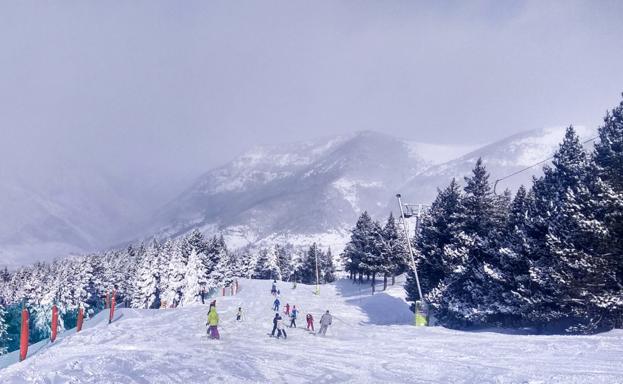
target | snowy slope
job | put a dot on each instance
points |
(169, 346)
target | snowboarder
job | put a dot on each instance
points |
(276, 304)
(325, 321)
(239, 314)
(293, 317)
(286, 309)
(310, 322)
(275, 320)
(281, 329)
(213, 323)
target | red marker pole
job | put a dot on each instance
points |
(23, 339)
(80, 319)
(112, 307)
(54, 323)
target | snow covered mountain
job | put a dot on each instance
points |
(298, 193)
(314, 191)
(502, 158)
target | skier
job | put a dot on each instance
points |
(294, 285)
(275, 320)
(276, 304)
(310, 322)
(325, 321)
(213, 323)
(286, 309)
(203, 295)
(293, 317)
(281, 329)
(273, 289)
(239, 314)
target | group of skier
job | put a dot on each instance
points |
(292, 313)
(278, 326)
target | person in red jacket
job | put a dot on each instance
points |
(286, 309)
(310, 321)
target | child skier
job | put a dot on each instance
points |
(293, 317)
(286, 309)
(276, 304)
(213, 323)
(310, 322)
(281, 329)
(239, 314)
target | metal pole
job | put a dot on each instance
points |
(317, 278)
(406, 229)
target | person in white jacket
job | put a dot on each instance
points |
(325, 321)
(281, 329)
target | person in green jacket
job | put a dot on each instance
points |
(213, 323)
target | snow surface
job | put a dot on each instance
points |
(371, 340)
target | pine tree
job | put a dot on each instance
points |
(327, 269)
(266, 267)
(307, 270)
(147, 294)
(284, 260)
(4, 335)
(569, 273)
(439, 229)
(608, 160)
(471, 293)
(360, 250)
(392, 250)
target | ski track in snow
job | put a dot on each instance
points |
(170, 346)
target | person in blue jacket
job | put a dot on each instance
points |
(293, 316)
(276, 304)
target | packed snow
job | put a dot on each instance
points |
(371, 340)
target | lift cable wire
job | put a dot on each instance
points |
(532, 166)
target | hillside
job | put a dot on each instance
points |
(371, 340)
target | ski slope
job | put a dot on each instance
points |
(371, 341)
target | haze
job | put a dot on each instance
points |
(154, 93)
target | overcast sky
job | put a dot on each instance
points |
(179, 87)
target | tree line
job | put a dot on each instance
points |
(167, 273)
(550, 257)
(375, 250)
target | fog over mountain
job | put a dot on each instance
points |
(115, 119)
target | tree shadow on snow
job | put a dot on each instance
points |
(381, 308)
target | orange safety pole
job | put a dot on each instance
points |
(54, 323)
(23, 339)
(112, 307)
(80, 319)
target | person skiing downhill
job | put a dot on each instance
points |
(325, 321)
(275, 320)
(295, 312)
(286, 309)
(239, 314)
(310, 322)
(281, 329)
(273, 289)
(276, 304)
(213, 323)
